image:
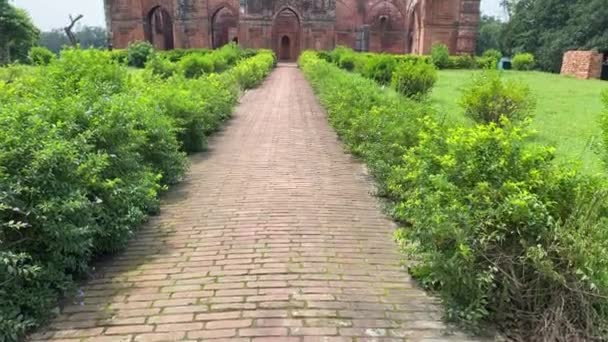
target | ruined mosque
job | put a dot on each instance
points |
(291, 26)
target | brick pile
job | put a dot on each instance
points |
(582, 64)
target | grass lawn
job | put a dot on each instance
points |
(567, 110)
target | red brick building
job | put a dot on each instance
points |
(290, 26)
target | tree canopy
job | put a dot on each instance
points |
(548, 28)
(87, 37)
(17, 33)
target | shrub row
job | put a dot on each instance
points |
(500, 231)
(85, 149)
(190, 63)
(411, 75)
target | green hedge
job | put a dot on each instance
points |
(85, 149)
(377, 124)
(367, 63)
(499, 230)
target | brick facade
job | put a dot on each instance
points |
(582, 64)
(290, 26)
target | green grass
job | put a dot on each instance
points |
(567, 110)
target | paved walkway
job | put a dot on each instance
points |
(273, 237)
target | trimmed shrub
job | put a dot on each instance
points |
(487, 63)
(493, 53)
(524, 61)
(347, 62)
(119, 56)
(462, 62)
(138, 53)
(220, 64)
(495, 226)
(414, 80)
(229, 53)
(413, 59)
(378, 127)
(39, 55)
(343, 57)
(504, 234)
(489, 99)
(380, 68)
(252, 71)
(88, 147)
(194, 66)
(13, 72)
(440, 55)
(161, 66)
(176, 55)
(325, 55)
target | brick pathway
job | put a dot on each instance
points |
(273, 237)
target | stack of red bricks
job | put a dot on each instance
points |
(582, 64)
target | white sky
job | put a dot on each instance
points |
(49, 14)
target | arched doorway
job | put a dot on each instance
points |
(223, 27)
(160, 28)
(285, 48)
(286, 35)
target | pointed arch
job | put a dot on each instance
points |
(224, 25)
(159, 32)
(286, 33)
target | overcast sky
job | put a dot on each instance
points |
(49, 14)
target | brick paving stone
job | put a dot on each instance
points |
(273, 236)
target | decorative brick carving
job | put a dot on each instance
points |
(582, 64)
(396, 26)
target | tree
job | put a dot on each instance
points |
(548, 28)
(489, 35)
(87, 36)
(17, 33)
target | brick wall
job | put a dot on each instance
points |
(582, 64)
(390, 25)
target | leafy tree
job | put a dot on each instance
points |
(17, 33)
(548, 28)
(489, 36)
(87, 36)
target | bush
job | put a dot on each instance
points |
(494, 54)
(177, 55)
(343, 57)
(496, 227)
(378, 127)
(139, 53)
(380, 68)
(119, 56)
(414, 80)
(440, 55)
(194, 66)
(413, 59)
(86, 148)
(487, 63)
(40, 56)
(252, 71)
(161, 66)
(13, 72)
(490, 99)
(325, 55)
(462, 62)
(347, 62)
(229, 54)
(504, 234)
(523, 61)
